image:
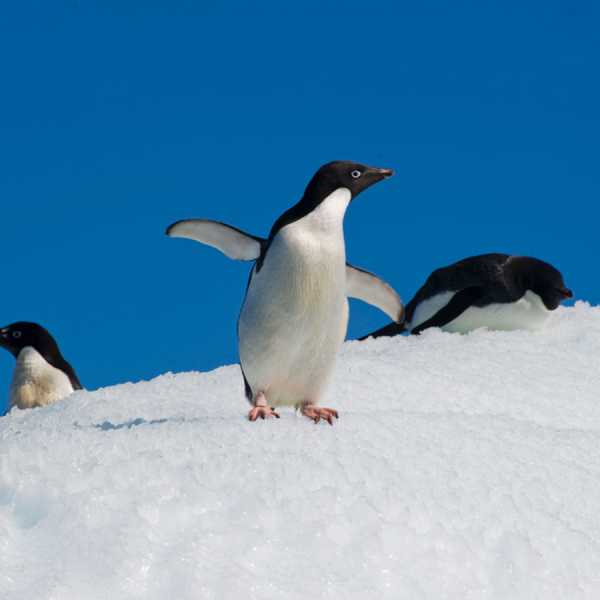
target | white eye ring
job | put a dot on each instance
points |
(16, 334)
(355, 174)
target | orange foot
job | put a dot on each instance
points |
(316, 414)
(262, 412)
(261, 409)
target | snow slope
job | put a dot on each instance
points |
(461, 467)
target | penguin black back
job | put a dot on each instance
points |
(481, 281)
(466, 273)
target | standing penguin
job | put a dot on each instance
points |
(41, 375)
(295, 313)
(496, 291)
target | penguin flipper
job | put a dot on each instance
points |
(388, 330)
(68, 370)
(456, 307)
(371, 289)
(232, 242)
(73, 378)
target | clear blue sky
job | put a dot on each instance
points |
(119, 118)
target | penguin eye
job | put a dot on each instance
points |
(355, 174)
(16, 334)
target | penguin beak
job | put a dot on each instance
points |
(566, 293)
(383, 173)
(371, 176)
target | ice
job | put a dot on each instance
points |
(461, 467)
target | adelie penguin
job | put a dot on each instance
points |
(496, 291)
(41, 374)
(295, 313)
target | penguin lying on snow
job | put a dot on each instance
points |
(295, 312)
(496, 291)
(41, 375)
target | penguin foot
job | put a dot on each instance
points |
(261, 409)
(316, 414)
(262, 412)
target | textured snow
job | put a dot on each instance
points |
(461, 467)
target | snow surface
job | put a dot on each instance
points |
(461, 467)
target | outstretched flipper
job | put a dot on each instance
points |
(232, 242)
(239, 245)
(456, 307)
(370, 289)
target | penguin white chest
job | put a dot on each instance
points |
(36, 382)
(529, 312)
(295, 314)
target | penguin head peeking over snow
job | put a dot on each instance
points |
(19, 335)
(542, 279)
(41, 375)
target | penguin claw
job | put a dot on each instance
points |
(262, 412)
(316, 414)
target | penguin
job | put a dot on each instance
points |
(497, 291)
(41, 376)
(294, 314)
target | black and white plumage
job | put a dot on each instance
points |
(41, 374)
(497, 291)
(294, 315)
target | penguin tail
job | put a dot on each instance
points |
(387, 331)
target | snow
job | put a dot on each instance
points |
(461, 467)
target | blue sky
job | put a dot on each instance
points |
(119, 118)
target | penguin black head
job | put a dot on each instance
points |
(353, 176)
(542, 279)
(337, 175)
(21, 334)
